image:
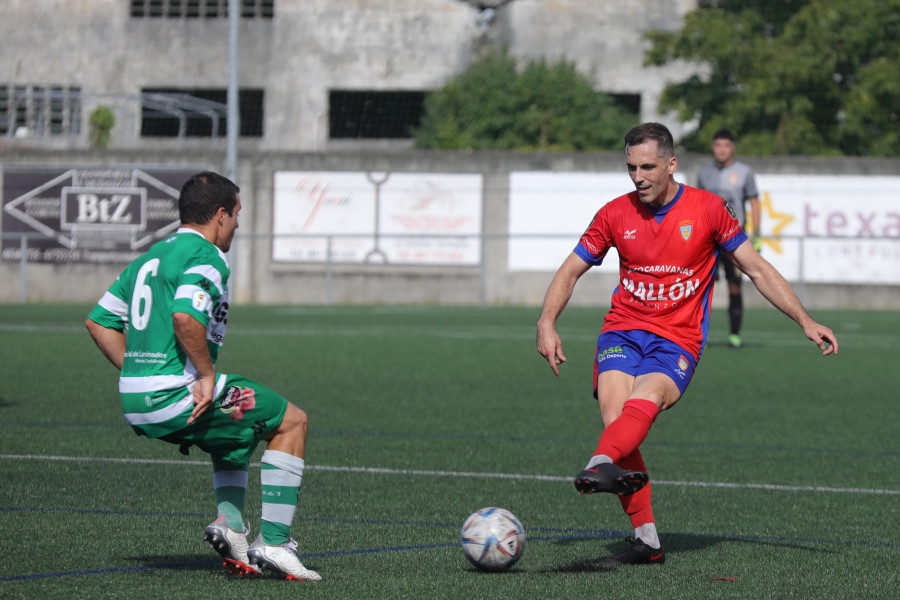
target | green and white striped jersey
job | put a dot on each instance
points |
(183, 273)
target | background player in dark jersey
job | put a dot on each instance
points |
(667, 236)
(161, 324)
(735, 182)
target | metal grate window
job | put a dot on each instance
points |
(200, 9)
(374, 114)
(178, 112)
(40, 110)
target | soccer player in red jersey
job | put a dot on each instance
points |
(668, 237)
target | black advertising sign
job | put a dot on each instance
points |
(88, 215)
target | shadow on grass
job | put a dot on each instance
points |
(193, 562)
(676, 543)
(514, 570)
(690, 542)
(190, 562)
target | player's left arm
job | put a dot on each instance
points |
(776, 290)
(110, 341)
(198, 291)
(191, 335)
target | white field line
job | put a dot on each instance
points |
(427, 473)
(768, 338)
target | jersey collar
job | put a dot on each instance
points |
(659, 212)
(189, 230)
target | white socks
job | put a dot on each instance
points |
(647, 534)
(598, 459)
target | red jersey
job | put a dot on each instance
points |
(667, 262)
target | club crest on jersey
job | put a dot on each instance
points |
(686, 228)
(683, 365)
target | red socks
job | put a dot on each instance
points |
(624, 435)
(637, 506)
(620, 441)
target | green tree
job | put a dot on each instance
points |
(546, 106)
(815, 77)
(101, 121)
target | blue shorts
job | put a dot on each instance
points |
(639, 352)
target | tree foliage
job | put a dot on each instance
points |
(494, 105)
(814, 77)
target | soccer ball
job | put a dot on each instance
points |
(493, 539)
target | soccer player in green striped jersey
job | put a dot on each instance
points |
(161, 323)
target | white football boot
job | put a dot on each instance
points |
(282, 559)
(231, 545)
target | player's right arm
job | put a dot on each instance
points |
(558, 294)
(106, 324)
(110, 341)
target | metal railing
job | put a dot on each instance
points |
(53, 117)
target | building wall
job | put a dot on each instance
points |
(313, 46)
(256, 279)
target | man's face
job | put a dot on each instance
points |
(229, 223)
(649, 172)
(723, 150)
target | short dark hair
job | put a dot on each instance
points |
(724, 134)
(203, 194)
(652, 132)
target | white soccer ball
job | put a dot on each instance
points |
(493, 539)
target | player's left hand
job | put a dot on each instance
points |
(823, 337)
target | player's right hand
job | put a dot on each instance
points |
(550, 347)
(203, 396)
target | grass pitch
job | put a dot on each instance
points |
(776, 476)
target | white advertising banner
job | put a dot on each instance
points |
(548, 212)
(821, 229)
(391, 218)
(832, 228)
(559, 207)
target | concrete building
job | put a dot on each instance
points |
(302, 62)
(316, 76)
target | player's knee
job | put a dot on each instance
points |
(295, 419)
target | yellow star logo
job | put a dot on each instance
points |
(780, 219)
